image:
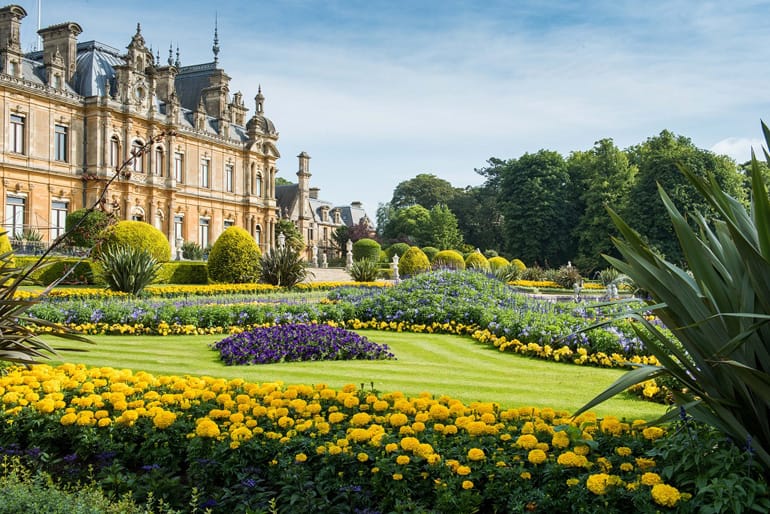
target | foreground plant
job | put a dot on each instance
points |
(128, 269)
(283, 267)
(717, 309)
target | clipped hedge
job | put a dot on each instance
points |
(183, 272)
(138, 234)
(85, 272)
(366, 249)
(477, 261)
(431, 252)
(414, 261)
(449, 259)
(396, 248)
(235, 257)
(519, 264)
(498, 262)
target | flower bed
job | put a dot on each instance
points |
(312, 448)
(298, 342)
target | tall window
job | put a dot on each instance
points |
(137, 164)
(58, 218)
(17, 133)
(203, 238)
(205, 164)
(229, 223)
(114, 151)
(258, 234)
(229, 178)
(259, 185)
(178, 226)
(178, 167)
(14, 215)
(158, 162)
(60, 143)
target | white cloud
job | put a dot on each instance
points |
(739, 148)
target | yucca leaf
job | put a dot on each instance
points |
(628, 379)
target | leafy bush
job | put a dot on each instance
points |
(567, 276)
(717, 311)
(430, 252)
(497, 262)
(449, 259)
(396, 248)
(519, 264)
(365, 270)
(413, 261)
(192, 251)
(136, 234)
(534, 273)
(183, 272)
(89, 231)
(366, 249)
(234, 258)
(489, 254)
(476, 261)
(283, 267)
(128, 269)
(6, 249)
(509, 273)
(84, 272)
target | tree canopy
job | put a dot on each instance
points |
(425, 189)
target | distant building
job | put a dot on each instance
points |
(74, 111)
(316, 219)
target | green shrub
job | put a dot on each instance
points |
(533, 273)
(366, 249)
(498, 262)
(89, 232)
(137, 234)
(489, 254)
(396, 248)
(414, 261)
(567, 276)
(476, 260)
(365, 270)
(183, 272)
(84, 272)
(519, 264)
(283, 267)
(431, 252)
(128, 269)
(192, 251)
(508, 273)
(449, 259)
(234, 258)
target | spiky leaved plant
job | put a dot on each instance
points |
(365, 270)
(128, 268)
(718, 312)
(283, 267)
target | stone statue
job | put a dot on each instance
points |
(315, 255)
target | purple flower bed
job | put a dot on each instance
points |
(298, 342)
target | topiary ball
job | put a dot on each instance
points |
(234, 258)
(366, 248)
(6, 248)
(477, 261)
(396, 249)
(431, 252)
(498, 262)
(137, 234)
(519, 264)
(414, 261)
(449, 259)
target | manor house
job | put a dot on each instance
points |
(75, 111)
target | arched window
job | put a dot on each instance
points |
(137, 163)
(137, 213)
(258, 184)
(258, 234)
(114, 152)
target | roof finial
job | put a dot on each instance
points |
(178, 63)
(260, 98)
(138, 28)
(215, 48)
(170, 54)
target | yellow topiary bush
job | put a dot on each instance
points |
(498, 262)
(234, 258)
(413, 261)
(5, 247)
(476, 260)
(449, 259)
(137, 234)
(519, 264)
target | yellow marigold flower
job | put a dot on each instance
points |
(526, 441)
(68, 419)
(572, 460)
(391, 447)
(597, 483)
(418, 426)
(644, 463)
(560, 439)
(320, 450)
(398, 476)
(626, 466)
(362, 457)
(104, 422)
(402, 460)
(163, 419)
(665, 495)
(467, 484)
(398, 419)
(334, 450)
(207, 428)
(537, 456)
(336, 417)
(450, 430)
(410, 443)
(525, 475)
(650, 479)
(439, 412)
(360, 419)
(380, 406)
(463, 470)
(583, 449)
(476, 454)
(300, 457)
(571, 482)
(653, 433)
(623, 451)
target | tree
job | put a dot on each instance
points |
(293, 236)
(425, 189)
(384, 213)
(442, 231)
(409, 224)
(537, 200)
(360, 230)
(658, 160)
(340, 237)
(478, 215)
(603, 177)
(280, 181)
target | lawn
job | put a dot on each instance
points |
(440, 364)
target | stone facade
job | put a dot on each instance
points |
(75, 111)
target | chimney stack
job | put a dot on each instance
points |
(61, 42)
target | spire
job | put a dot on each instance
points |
(177, 63)
(215, 48)
(260, 99)
(157, 57)
(170, 54)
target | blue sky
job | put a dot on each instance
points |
(379, 91)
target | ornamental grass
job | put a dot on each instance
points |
(238, 446)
